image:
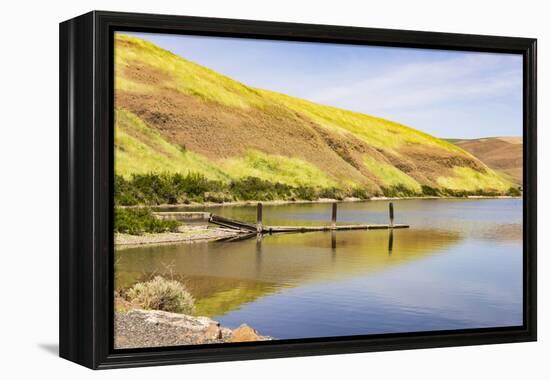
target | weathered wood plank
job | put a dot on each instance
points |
(231, 223)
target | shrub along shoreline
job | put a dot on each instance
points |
(141, 220)
(149, 190)
(157, 189)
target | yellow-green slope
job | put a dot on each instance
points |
(174, 115)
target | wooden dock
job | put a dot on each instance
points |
(333, 228)
(249, 229)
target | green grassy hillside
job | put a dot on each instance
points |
(175, 116)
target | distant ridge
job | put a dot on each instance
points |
(503, 154)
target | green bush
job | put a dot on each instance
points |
(514, 192)
(488, 193)
(156, 188)
(306, 193)
(333, 193)
(162, 294)
(253, 188)
(125, 192)
(166, 188)
(399, 190)
(360, 193)
(454, 193)
(430, 191)
(466, 193)
(141, 220)
(217, 196)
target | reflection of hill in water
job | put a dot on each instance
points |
(223, 276)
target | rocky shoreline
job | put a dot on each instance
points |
(139, 328)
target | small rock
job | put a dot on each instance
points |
(245, 333)
(213, 332)
(226, 333)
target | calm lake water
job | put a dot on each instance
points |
(458, 266)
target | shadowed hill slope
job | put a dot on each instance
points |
(173, 115)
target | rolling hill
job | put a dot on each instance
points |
(502, 154)
(175, 116)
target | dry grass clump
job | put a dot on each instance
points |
(162, 294)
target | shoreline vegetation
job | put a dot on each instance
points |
(174, 188)
(136, 198)
(166, 206)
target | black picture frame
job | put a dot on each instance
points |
(86, 186)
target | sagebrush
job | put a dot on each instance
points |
(162, 294)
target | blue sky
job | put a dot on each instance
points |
(444, 93)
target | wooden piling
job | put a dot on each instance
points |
(391, 214)
(334, 212)
(259, 227)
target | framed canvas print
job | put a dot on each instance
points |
(236, 189)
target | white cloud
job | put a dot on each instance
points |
(427, 84)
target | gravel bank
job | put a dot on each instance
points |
(186, 234)
(153, 328)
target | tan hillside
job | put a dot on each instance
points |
(177, 116)
(503, 154)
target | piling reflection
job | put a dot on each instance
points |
(333, 243)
